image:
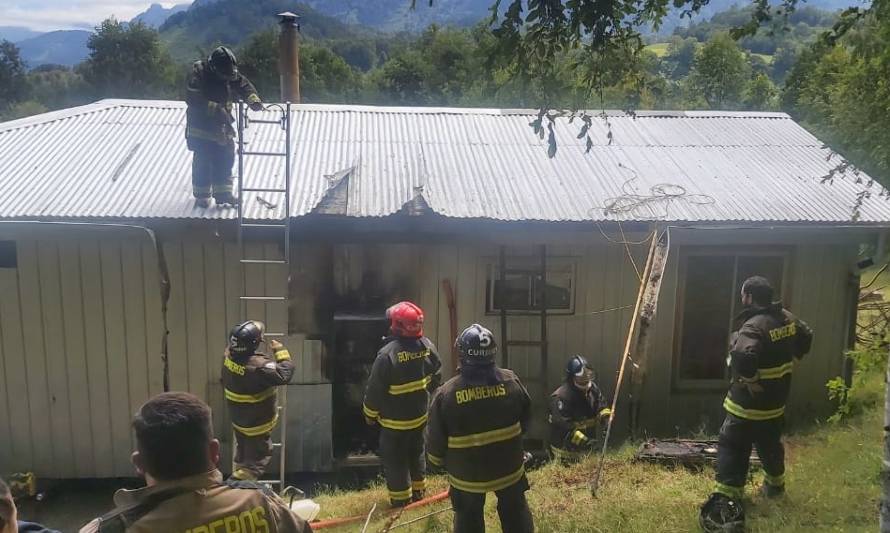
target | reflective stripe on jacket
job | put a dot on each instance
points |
(762, 356)
(250, 389)
(475, 429)
(404, 370)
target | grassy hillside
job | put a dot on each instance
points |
(231, 22)
(832, 480)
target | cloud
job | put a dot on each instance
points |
(47, 15)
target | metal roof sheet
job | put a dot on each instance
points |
(127, 159)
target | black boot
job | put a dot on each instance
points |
(722, 514)
(225, 198)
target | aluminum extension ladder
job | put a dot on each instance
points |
(248, 231)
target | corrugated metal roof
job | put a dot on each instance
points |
(126, 159)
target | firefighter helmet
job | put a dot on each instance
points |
(580, 372)
(405, 320)
(722, 514)
(245, 338)
(223, 63)
(476, 346)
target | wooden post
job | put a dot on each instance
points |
(885, 466)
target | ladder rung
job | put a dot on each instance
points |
(263, 153)
(262, 121)
(276, 445)
(246, 225)
(269, 481)
(264, 261)
(263, 189)
(271, 298)
(274, 334)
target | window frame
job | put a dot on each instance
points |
(516, 262)
(785, 252)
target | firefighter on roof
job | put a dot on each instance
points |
(477, 419)
(250, 379)
(576, 408)
(213, 86)
(761, 358)
(397, 397)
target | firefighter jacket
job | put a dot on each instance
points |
(761, 360)
(209, 100)
(249, 384)
(574, 416)
(404, 371)
(475, 430)
(199, 504)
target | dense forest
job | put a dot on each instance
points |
(836, 84)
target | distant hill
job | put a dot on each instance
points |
(66, 47)
(157, 14)
(231, 22)
(16, 33)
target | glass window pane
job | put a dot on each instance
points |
(768, 266)
(559, 290)
(707, 308)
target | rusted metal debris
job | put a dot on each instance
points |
(689, 453)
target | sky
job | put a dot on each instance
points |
(45, 15)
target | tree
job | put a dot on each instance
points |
(13, 76)
(838, 88)
(760, 93)
(679, 58)
(324, 75)
(128, 61)
(720, 72)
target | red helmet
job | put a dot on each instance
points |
(405, 320)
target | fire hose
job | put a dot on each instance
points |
(337, 522)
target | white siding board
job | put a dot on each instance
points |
(56, 360)
(16, 374)
(97, 362)
(116, 355)
(154, 325)
(196, 311)
(217, 327)
(178, 320)
(75, 353)
(135, 323)
(35, 356)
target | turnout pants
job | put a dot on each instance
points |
(252, 455)
(512, 507)
(211, 168)
(737, 437)
(403, 464)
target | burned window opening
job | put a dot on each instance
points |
(8, 255)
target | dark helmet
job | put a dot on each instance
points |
(722, 514)
(476, 346)
(577, 367)
(406, 320)
(245, 338)
(223, 63)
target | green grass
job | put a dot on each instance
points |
(832, 478)
(659, 49)
(768, 59)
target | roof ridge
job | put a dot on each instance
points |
(56, 115)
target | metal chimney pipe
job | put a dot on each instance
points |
(289, 57)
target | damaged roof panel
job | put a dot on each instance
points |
(127, 159)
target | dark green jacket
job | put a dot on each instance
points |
(761, 361)
(574, 416)
(209, 100)
(397, 393)
(475, 429)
